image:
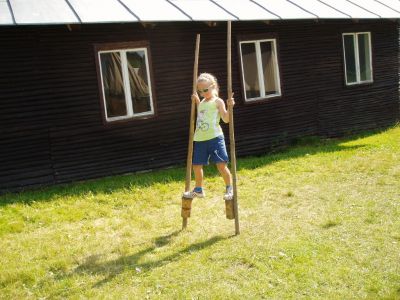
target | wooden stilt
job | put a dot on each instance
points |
(187, 203)
(232, 132)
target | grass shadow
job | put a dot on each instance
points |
(108, 185)
(113, 268)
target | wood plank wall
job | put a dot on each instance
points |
(51, 127)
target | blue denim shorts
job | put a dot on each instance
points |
(213, 149)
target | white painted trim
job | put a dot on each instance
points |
(277, 74)
(254, 41)
(260, 69)
(242, 71)
(122, 49)
(357, 57)
(344, 55)
(102, 85)
(127, 88)
(149, 81)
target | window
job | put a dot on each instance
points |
(125, 82)
(357, 57)
(260, 72)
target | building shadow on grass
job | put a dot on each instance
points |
(111, 269)
(108, 185)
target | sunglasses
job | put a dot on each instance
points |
(204, 90)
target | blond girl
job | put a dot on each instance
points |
(209, 142)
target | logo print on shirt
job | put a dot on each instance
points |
(203, 126)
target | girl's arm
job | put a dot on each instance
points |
(222, 110)
(196, 99)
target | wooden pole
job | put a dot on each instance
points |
(186, 203)
(232, 131)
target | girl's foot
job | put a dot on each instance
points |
(197, 192)
(228, 193)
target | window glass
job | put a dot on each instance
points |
(249, 59)
(364, 56)
(138, 79)
(349, 50)
(113, 84)
(269, 69)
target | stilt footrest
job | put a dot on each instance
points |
(186, 207)
(229, 210)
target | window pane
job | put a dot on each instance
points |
(138, 80)
(364, 55)
(269, 68)
(113, 84)
(250, 70)
(350, 58)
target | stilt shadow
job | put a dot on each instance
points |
(115, 267)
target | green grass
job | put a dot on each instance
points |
(320, 220)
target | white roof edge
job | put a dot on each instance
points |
(17, 12)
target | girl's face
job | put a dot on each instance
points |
(205, 89)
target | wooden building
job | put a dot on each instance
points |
(94, 88)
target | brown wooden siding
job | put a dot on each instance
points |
(51, 127)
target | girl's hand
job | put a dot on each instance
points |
(231, 101)
(195, 98)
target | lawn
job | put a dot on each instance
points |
(319, 220)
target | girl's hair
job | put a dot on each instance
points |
(211, 79)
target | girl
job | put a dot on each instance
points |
(208, 137)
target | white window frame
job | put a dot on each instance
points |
(260, 68)
(357, 58)
(125, 76)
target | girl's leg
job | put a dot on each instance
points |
(198, 189)
(225, 173)
(198, 175)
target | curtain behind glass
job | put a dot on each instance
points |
(267, 55)
(113, 84)
(138, 79)
(250, 70)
